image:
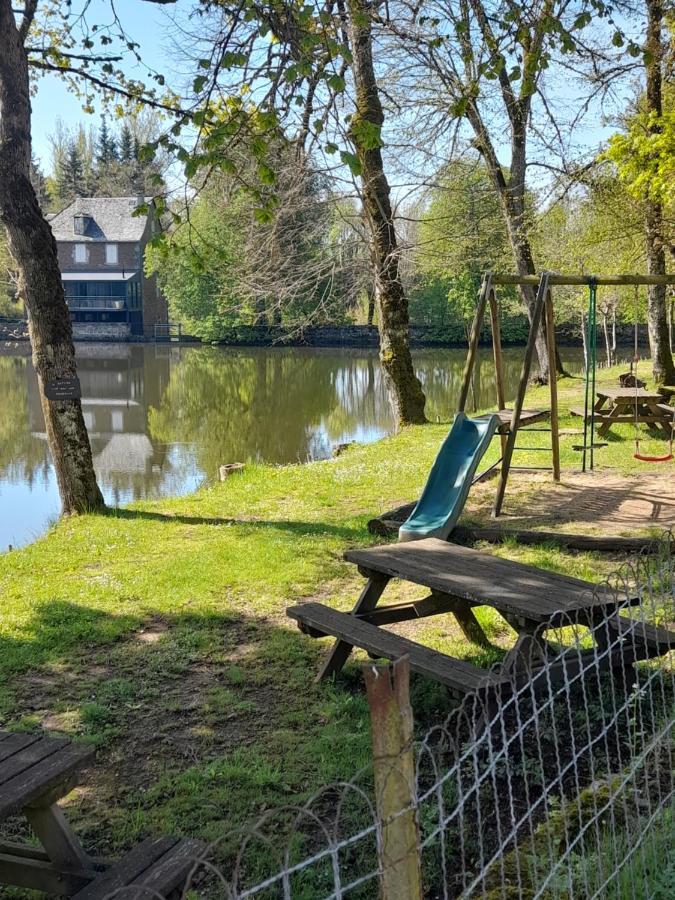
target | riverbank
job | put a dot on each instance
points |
(158, 632)
(453, 335)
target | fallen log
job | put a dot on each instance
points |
(388, 525)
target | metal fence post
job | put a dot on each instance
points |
(391, 719)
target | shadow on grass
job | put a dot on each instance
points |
(295, 527)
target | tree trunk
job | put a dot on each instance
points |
(657, 316)
(404, 387)
(511, 195)
(33, 249)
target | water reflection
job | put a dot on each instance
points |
(162, 418)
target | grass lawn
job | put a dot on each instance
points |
(158, 633)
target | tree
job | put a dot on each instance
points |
(128, 152)
(33, 249)
(224, 267)
(278, 70)
(106, 149)
(461, 235)
(365, 130)
(484, 62)
(644, 157)
(70, 177)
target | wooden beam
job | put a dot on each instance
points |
(582, 280)
(498, 358)
(553, 383)
(590, 542)
(474, 340)
(341, 650)
(520, 396)
(38, 874)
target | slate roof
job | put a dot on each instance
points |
(112, 219)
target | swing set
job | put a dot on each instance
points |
(513, 419)
(631, 379)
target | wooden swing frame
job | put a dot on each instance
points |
(543, 308)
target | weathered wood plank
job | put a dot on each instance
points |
(43, 778)
(28, 756)
(484, 579)
(57, 837)
(644, 639)
(40, 875)
(128, 869)
(460, 676)
(14, 743)
(159, 866)
(591, 542)
(527, 417)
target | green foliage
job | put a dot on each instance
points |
(9, 306)
(461, 235)
(644, 154)
(106, 163)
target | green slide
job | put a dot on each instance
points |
(449, 482)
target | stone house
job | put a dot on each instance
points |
(101, 247)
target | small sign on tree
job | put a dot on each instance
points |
(63, 389)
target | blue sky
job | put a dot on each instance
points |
(145, 23)
(150, 25)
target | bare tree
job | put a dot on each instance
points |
(33, 249)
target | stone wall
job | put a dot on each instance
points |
(354, 336)
(568, 334)
(101, 331)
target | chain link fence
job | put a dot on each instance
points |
(559, 785)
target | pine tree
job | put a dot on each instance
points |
(106, 150)
(126, 152)
(39, 183)
(70, 181)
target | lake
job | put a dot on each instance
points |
(162, 418)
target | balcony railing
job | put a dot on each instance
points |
(96, 303)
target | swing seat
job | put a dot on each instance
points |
(654, 459)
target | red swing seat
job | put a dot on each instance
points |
(654, 459)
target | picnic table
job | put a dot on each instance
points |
(615, 406)
(35, 772)
(529, 599)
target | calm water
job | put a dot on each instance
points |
(163, 418)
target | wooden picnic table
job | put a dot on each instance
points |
(529, 599)
(615, 406)
(35, 772)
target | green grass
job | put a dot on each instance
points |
(158, 633)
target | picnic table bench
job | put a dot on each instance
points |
(35, 772)
(616, 406)
(529, 599)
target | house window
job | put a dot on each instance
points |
(111, 254)
(80, 253)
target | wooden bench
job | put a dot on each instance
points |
(641, 639)
(156, 868)
(458, 676)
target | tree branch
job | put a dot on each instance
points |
(27, 19)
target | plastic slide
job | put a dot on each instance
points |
(449, 482)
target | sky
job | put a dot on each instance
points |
(150, 25)
(146, 23)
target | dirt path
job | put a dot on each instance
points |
(595, 502)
